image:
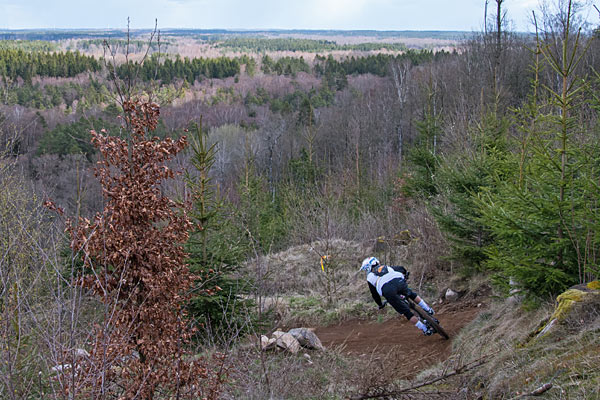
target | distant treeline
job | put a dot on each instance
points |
(55, 35)
(307, 45)
(29, 45)
(336, 70)
(48, 96)
(65, 34)
(135, 45)
(19, 63)
(15, 62)
(187, 69)
(375, 64)
(224, 33)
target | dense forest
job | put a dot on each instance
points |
(486, 155)
(265, 44)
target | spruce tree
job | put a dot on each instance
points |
(541, 221)
(460, 180)
(215, 248)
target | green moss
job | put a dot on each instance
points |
(565, 303)
(594, 285)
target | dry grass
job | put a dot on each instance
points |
(304, 292)
(307, 375)
(293, 283)
(568, 357)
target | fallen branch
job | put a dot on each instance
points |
(457, 371)
(542, 389)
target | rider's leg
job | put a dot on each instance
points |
(390, 291)
(410, 293)
(424, 305)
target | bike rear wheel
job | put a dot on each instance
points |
(430, 320)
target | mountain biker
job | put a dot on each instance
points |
(390, 282)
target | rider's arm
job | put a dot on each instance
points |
(375, 295)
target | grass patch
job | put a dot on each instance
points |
(274, 375)
(568, 357)
(312, 311)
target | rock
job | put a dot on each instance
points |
(79, 353)
(266, 343)
(593, 285)
(307, 338)
(588, 287)
(263, 341)
(566, 301)
(288, 343)
(451, 295)
(584, 297)
(278, 334)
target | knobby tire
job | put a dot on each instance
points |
(430, 320)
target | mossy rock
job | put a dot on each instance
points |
(576, 295)
(594, 285)
(566, 301)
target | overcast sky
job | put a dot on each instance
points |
(463, 15)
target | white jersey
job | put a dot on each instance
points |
(379, 281)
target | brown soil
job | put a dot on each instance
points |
(396, 342)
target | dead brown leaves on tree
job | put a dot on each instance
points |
(134, 250)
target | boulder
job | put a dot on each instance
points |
(307, 338)
(278, 334)
(582, 296)
(288, 343)
(451, 295)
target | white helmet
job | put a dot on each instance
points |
(369, 263)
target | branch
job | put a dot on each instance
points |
(542, 389)
(457, 371)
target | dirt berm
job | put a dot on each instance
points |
(398, 341)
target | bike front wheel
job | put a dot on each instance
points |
(431, 321)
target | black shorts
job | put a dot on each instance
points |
(392, 291)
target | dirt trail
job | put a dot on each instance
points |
(397, 340)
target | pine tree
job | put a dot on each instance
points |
(215, 248)
(541, 220)
(460, 181)
(420, 183)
